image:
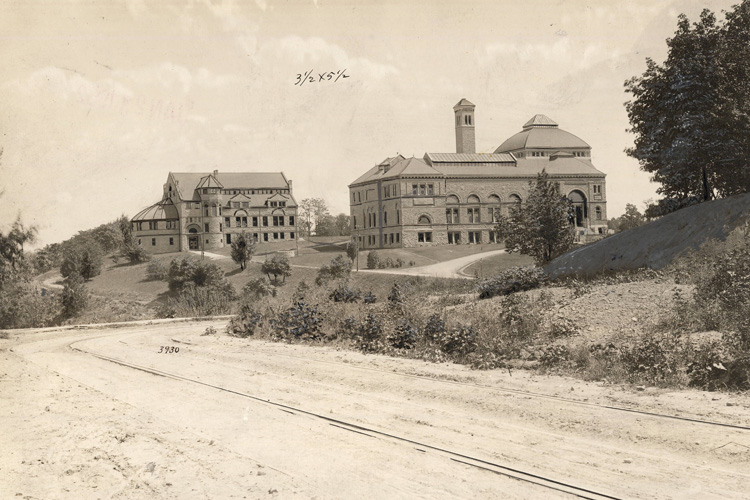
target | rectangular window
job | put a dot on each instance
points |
(385, 218)
(205, 226)
(255, 236)
(422, 189)
(244, 222)
(454, 238)
(430, 190)
(265, 236)
(398, 217)
(238, 221)
(255, 222)
(391, 238)
(244, 204)
(291, 236)
(398, 237)
(229, 239)
(281, 235)
(424, 237)
(227, 222)
(265, 221)
(291, 220)
(415, 189)
(153, 242)
(492, 236)
(171, 241)
(276, 236)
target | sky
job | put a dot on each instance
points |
(100, 100)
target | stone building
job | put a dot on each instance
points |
(453, 198)
(204, 211)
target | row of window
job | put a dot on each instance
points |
(243, 191)
(581, 154)
(473, 215)
(153, 241)
(265, 236)
(467, 120)
(422, 190)
(276, 220)
(154, 225)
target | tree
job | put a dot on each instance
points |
(691, 114)
(243, 248)
(540, 227)
(352, 249)
(277, 266)
(631, 218)
(85, 262)
(312, 211)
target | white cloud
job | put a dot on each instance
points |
(170, 75)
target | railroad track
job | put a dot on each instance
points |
(506, 470)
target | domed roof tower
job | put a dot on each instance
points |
(542, 134)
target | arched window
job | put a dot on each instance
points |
(424, 220)
(598, 213)
(494, 209)
(580, 210)
(205, 210)
(452, 200)
(473, 199)
(514, 198)
(213, 210)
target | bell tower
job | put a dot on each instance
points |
(465, 140)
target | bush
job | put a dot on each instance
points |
(85, 262)
(397, 295)
(74, 297)
(195, 300)
(259, 288)
(299, 322)
(654, 359)
(245, 323)
(515, 279)
(180, 273)
(434, 328)
(368, 334)
(339, 268)
(459, 341)
(404, 336)
(373, 260)
(185, 271)
(24, 305)
(369, 298)
(343, 293)
(563, 327)
(157, 271)
(553, 355)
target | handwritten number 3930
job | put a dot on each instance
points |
(169, 349)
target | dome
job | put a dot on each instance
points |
(158, 211)
(541, 132)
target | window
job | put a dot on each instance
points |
(451, 215)
(229, 239)
(171, 241)
(139, 241)
(265, 236)
(422, 189)
(475, 237)
(255, 236)
(424, 220)
(398, 217)
(454, 237)
(281, 235)
(255, 222)
(227, 222)
(385, 218)
(153, 242)
(354, 220)
(391, 238)
(291, 236)
(236, 204)
(205, 210)
(274, 204)
(276, 236)
(278, 220)
(245, 204)
(597, 189)
(205, 228)
(221, 227)
(430, 189)
(414, 189)
(265, 220)
(598, 213)
(213, 210)
(424, 236)
(473, 215)
(291, 220)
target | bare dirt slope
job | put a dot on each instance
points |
(657, 243)
(103, 414)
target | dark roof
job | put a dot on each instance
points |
(463, 102)
(187, 182)
(540, 121)
(398, 166)
(434, 158)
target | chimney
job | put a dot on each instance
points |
(290, 186)
(216, 172)
(465, 141)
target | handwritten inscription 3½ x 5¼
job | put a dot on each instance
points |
(314, 77)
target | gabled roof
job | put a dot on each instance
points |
(395, 167)
(209, 181)
(163, 210)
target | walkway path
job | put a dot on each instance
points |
(212, 256)
(449, 269)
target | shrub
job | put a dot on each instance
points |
(259, 288)
(512, 280)
(458, 342)
(434, 328)
(563, 327)
(195, 300)
(373, 260)
(654, 359)
(368, 334)
(339, 268)
(299, 322)
(553, 355)
(519, 317)
(180, 273)
(369, 298)
(86, 262)
(397, 295)
(207, 274)
(23, 305)
(245, 323)
(157, 271)
(343, 293)
(74, 297)
(404, 336)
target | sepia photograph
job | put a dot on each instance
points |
(375, 249)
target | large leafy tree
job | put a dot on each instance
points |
(277, 266)
(243, 248)
(540, 227)
(312, 211)
(690, 115)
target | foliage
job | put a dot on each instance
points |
(85, 262)
(299, 322)
(195, 300)
(343, 293)
(459, 341)
(246, 322)
(157, 271)
(397, 295)
(180, 272)
(368, 334)
(373, 260)
(258, 288)
(404, 336)
(339, 268)
(74, 297)
(243, 248)
(24, 305)
(632, 218)
(352, 249)
(329, 225)
(512, 280)
(434, 328)
(369, 298)
(311, 212)
(691, 114)
(540, 227)
(277, 266)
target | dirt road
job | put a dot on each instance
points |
(101, 413)
(448, 269)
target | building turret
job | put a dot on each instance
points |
(465, 140)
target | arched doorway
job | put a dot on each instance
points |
(193, 239)
(580, 211)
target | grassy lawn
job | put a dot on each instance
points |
(490, 266)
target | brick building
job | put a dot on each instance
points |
(452, 198)
(203, 211)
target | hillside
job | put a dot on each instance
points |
(657, 243)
